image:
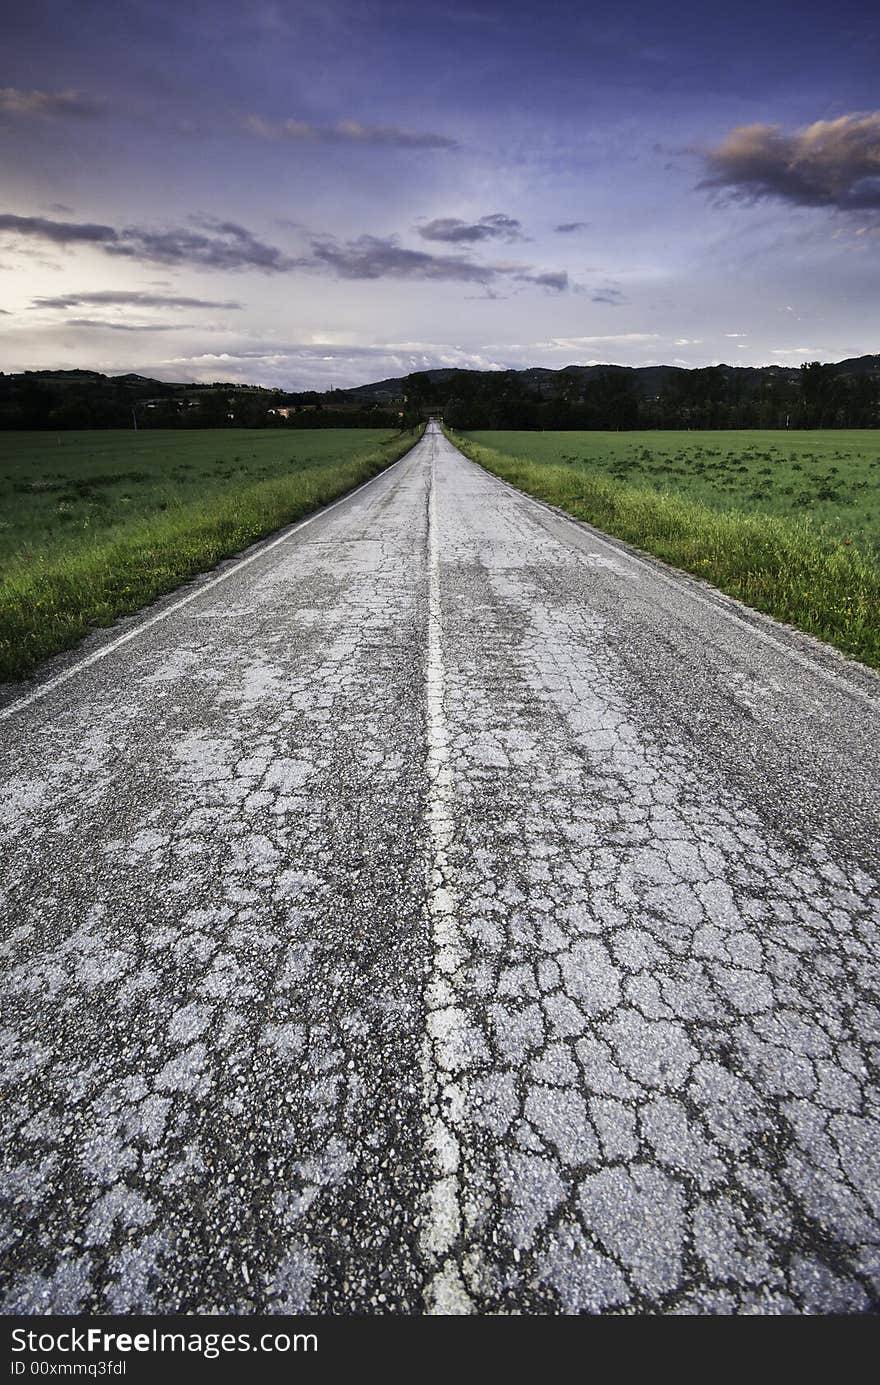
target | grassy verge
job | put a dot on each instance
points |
(793, 569)
(829, 476)
(53, 593)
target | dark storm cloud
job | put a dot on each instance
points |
(348, 132)
(27, 104)
(219, 245)
(453, 230)
(566, 227)
(134, 298)
(831, 163)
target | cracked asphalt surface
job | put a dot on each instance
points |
(447, 911)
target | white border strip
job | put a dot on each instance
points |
(687, 584)
(45, 688)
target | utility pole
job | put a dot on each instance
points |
(134, 417)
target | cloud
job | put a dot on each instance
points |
(225, 245)
(614, 297)
(496, 226)
(548, 279)
(808, 352)
(831, 163)
(108, 325)
(129, 298)
(15, 102)
(487, 296)
(347, 132)
(377, 257)
(606, 339)
(58, 232)
(565, 228)
(210, 244)
(318, 364)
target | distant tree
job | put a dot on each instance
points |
(820, 393)
(612, 401)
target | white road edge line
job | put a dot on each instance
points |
(720, 603)
(442, 1049)
(45, 688)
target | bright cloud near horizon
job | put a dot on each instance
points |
(309, 193)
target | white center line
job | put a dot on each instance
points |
(443, 1051)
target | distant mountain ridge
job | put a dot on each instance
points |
(812, 395)
(543, 379)
(651, 379)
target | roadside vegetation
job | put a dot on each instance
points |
(94, 525)
(787, 523)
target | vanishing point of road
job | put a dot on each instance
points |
(444, 909)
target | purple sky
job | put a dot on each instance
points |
(314, 194)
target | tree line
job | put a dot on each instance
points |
(81, 399)
(610, 398)
(819, 396)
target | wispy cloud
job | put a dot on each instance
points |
(109, 325)
(807, 352)
(134, 298)
(496, 226)
(546, 279)
(225, 245)
(58, 232)
(208, 244)
(219, 245)
(378, 257)
(831, 163)
(30, 104)
(607, 339)
(319, 363)
(347, 132)
(566, 228)
(610, 295)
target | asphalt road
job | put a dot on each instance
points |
(445, 910)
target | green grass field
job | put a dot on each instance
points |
(787, 522)
(97, 524)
